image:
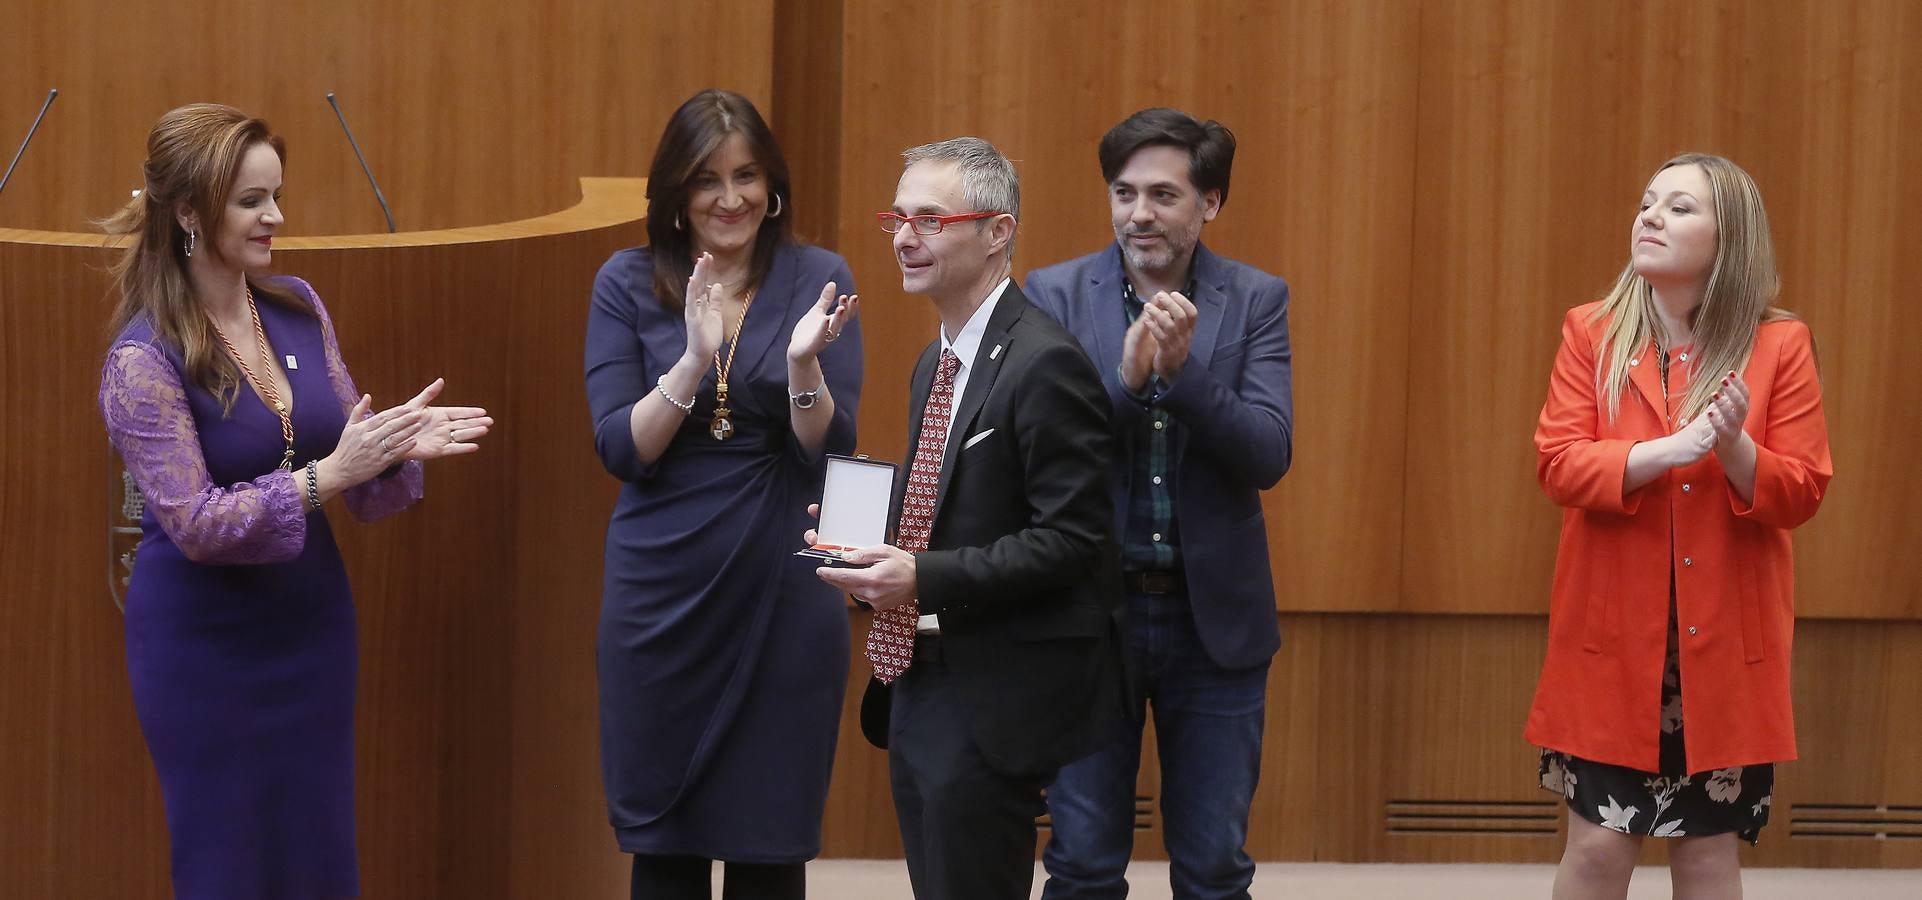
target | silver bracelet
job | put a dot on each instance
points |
(313, 484)
(661, 386)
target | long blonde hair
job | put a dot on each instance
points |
(193, 156)
(1742, 288)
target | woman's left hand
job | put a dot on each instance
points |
(1728, 409)
(823, 323)
(446, 430)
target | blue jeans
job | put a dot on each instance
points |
(1208, 723)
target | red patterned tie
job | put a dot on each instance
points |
(891, 637)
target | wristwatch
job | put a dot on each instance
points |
(805, 399)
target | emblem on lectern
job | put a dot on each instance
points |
(125, 506)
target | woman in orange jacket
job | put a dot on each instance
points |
(1683, 435)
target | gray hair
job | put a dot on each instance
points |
(988, 179)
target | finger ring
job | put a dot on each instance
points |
(832, 335)
(384, 446)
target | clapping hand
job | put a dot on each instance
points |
(1728, 409)
(824, 322)
(370, 443)
(1171, 319)
(1693, 442)
(445, 430)
(702, 312)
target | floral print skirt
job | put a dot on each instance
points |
(1673, 802)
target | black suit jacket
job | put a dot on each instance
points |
(1022, 563)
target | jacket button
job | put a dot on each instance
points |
(1156, 479)
(1691, 629)
(1158, 426)
(1635, 361)
(1685, 488)
(1688, 561)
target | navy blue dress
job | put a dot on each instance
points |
(722, 658)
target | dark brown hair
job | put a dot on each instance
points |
(692, 135)
(193, 156)
(1210, 146)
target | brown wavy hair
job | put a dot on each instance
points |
(193, 156)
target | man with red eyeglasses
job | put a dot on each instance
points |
(995, 636)
(1194, 351)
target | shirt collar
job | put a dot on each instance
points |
(1129, 296)
(968, 341)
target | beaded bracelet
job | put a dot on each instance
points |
(314, 481)
(661, 386)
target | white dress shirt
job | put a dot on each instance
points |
(965, 346)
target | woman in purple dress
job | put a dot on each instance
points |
(225, 394)
(722, 658)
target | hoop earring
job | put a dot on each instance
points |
(677, 221)
(777, 208)
(192, 236)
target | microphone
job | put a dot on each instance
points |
(382, 198)
(55, 92)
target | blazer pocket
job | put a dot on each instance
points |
(1230, 351)
(1600, 602)
(982, 448)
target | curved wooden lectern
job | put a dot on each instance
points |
(478, 765)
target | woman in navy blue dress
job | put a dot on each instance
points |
(225, 393)
(722, 363)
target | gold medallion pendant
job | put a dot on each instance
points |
(722, 427)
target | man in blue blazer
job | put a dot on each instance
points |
(1193, 350)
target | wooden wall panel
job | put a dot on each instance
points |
(469, 113)
(1539, 124)
(808, 69)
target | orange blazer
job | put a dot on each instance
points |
(1599, 697)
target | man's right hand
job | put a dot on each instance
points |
(1137, 356)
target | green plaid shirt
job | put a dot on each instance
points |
(1151, 541)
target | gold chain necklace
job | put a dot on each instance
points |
(722, 428)
(266, 388)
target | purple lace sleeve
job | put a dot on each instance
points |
(149, 422)
(392, 491)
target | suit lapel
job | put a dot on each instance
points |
(1646, 374)
(983, 370)
(1110, 323)
(1210, 307)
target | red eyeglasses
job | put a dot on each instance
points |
(926, 225)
